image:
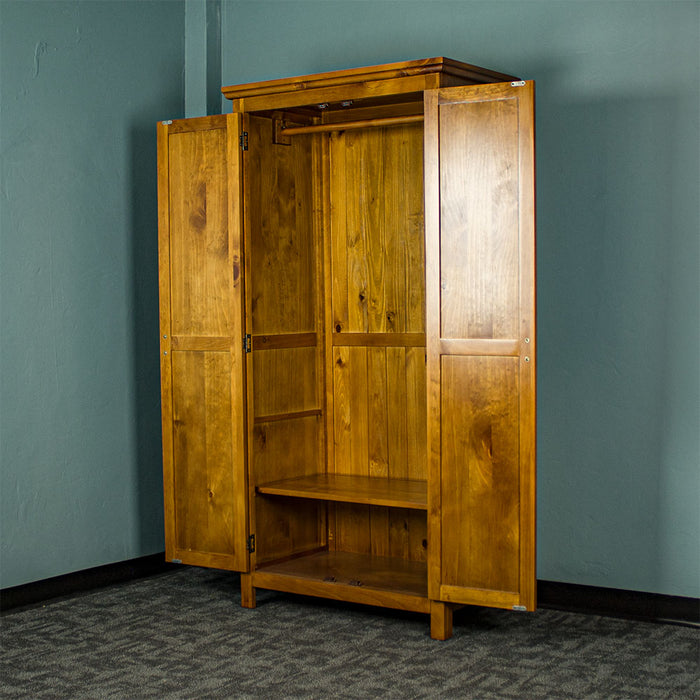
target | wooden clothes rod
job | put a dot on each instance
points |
(359, 124)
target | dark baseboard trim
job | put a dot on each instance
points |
(37, 592)
(569, 597)
(611, 602)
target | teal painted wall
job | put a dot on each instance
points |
(83, 84)
(617, 149)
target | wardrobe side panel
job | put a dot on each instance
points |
(285, 370)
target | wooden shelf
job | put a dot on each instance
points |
(357, 578)
(374, 491)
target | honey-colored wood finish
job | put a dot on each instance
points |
(347, 300)
(285, 427)
(374, 491)
(201, 354)
(383, 581)
(481, 346)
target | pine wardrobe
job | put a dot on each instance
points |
(347, 316)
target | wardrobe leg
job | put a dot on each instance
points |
(440, 620)
(247, 591)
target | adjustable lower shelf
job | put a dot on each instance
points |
(367, 490)
(357, 578)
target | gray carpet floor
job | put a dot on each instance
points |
(184, 635)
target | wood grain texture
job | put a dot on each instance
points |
(480, 473)
(283, 450)
(380, 340)
(166, 388)
(239, 366)
(383, 72)
(368, 575)
(282, 244)
(379, 431)
(432, 328)
(284, 340)
(203, 478)
(528, 355)
(480, 270)
(440, 620)
(201, 279)
(397, 493)
(377, 231)
(286, 423)
(285, 381)
(355, 124)
(201, 297)
(479, 260)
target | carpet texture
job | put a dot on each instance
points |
(184, 635)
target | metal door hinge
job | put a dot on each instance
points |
(247, 343)
(518, 83)
(243, 140)
(519, 608)
(250, 544)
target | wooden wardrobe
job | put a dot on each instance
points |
(347, 316)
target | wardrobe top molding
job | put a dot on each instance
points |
(374, 85)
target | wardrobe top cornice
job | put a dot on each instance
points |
(396, 78)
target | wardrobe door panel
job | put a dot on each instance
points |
(202, 341)
(480, 265)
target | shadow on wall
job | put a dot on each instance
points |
(615, 252)
(146, 366)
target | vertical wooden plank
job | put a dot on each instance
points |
(283, 449)
(203, 483)
(440, 620)
(528, 335)
(319, 189)
(351, 443)
(397, 411)
(412, 204)
(201, 284)
(372, 173)
(479, 207)
(337, 179)
(283, 287)
(285, 380)
(165, 335)
(249, 187)
(403, 222)
(416, 416)
(481, 483)
(394, 250)
(329, 271)
(357, 231)
(397, 439)
(377, 406)
(432, 330)
(378, 449)
(189, 466)
(240, 369)
(280, 190)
